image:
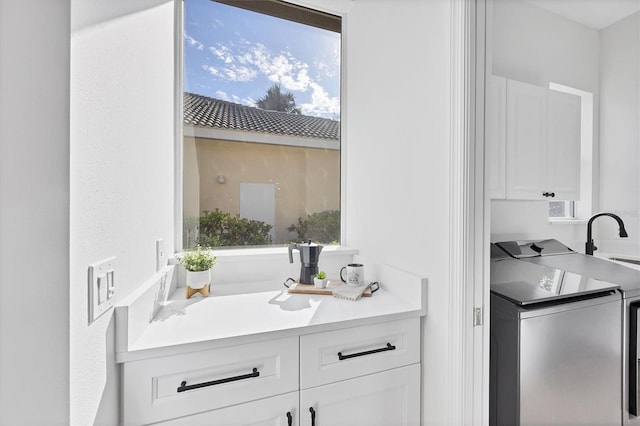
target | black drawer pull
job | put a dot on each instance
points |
(183, 386)
(549, 194)
(313, 416)
(289, 419)
(389, 347)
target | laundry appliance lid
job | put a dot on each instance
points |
(533, 248)
(525, 283)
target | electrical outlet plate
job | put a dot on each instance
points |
(161, 256)
(102, 287)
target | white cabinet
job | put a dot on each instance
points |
(526, 141)
(538, 136)
(390, 397)
(497, 136)
(366, 375)
(341, 354)
(281, 410)
(563, 144)
(164, 388)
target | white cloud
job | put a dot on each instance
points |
(231, 73)
(244, 62)
(221, 94)
(212, 70)
(224, 53)
(321, 103)
(283, 68)
(247, 61)
(193, 42)
(240, 73)
(325, 68)
(299, 82)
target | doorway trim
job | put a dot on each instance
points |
(469, 206)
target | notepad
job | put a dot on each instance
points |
(349, 292)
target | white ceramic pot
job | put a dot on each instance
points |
(197, 280)
(319, 283)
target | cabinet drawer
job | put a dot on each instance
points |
(342, 354)
(174, 386)
(273, 411)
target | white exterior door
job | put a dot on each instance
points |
(258, 202)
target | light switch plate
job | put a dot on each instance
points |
(161, 256)
(102, 289)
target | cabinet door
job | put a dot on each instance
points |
(496, 137)
(563, 145)
(391, 397)
(526, 141)
(281, 410)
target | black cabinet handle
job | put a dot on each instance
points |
(389, 347)
(313, 416)
(289, 419)
(549, 194)
(184, 387)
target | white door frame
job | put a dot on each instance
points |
(470, 226)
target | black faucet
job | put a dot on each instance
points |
(590, 247)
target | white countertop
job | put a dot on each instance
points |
(199, 323)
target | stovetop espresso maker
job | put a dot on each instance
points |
(309, 255)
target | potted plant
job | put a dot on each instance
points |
(320, 280)
(198, 264)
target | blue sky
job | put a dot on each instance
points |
(236, 55)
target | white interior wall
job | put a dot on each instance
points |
(620, 135)
(532, 45)
(122, 173)
(397, 120)
(34, 212)
(121, 189)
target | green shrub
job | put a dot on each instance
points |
(323, 227)
(222, 229)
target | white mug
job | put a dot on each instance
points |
(355, 274)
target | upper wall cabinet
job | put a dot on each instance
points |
(563, 144)
(497, 136)
(533, 141)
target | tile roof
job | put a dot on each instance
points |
(209, 112)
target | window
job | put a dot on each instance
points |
(582, 209)
(561, 209)
(261, 124)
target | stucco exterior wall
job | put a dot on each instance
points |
(307, 180)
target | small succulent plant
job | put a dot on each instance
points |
(321, 275)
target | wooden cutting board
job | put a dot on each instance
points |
(311, 289)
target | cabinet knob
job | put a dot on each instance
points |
(549, 194)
